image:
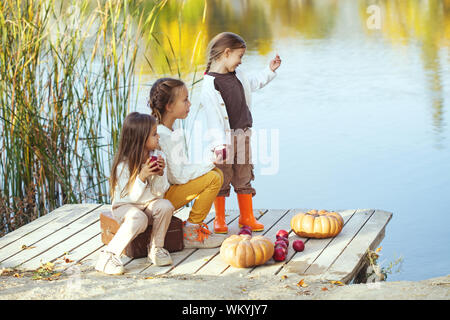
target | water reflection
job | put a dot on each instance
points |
(427, 25)
(178, 43)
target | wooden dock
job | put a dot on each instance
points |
(73, 232)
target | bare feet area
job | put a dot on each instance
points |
(90, 284)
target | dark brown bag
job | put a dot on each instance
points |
(137, 248)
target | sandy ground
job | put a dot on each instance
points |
(86, 283)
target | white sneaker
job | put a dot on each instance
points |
(159, 257)
(109, 263)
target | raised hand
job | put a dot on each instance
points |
(275, 63)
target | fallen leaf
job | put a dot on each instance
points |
(67, 260)
(284, 277)
(261, 212)
(379, 249)
(16, 275)
(148, 277)
(25, 247)
(302, 284)
(324, 289)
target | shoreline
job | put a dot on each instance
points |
(86, 283)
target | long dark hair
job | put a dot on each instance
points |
(135, 132)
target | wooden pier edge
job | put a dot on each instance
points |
(74, 229)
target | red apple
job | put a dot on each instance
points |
(153, 159)
(279, 254)
(245, 231)
(282, 233)
(286, 240)
(298, 245)
(221, 152)
(281, 243)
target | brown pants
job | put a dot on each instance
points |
(238, 167)
(134, 219)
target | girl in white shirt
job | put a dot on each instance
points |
(226, 102)
(137, 186)
(200, 182)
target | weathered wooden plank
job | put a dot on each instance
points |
(66, 245)
(15, 252)
(346, 265)
(180, 257)
(338, 244)
(38, 224)
(48, 242)
(200, 256)
(215, 265)
(300, 261)
(143, 266)
(269, 219)
(272, 266)
(86, 253)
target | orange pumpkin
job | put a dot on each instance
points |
(317, 224)
(244, 251)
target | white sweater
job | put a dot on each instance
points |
(140, 192)
(179, 170)
(213, 106)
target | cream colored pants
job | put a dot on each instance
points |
(134, 220)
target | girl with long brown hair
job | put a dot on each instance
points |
(138, 183)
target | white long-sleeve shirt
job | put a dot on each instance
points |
(213, 106)
(179, 169)
(140, 192)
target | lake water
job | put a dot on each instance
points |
(362, 115)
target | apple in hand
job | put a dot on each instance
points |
(153, 160)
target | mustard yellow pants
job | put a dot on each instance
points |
(203, 189)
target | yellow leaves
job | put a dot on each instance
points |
(46, 272)
(17, 275)
(378, 250)
(25, 247)
(284, 277)
(149, 278)
(5, 271)
(338, 283)
(302, 283)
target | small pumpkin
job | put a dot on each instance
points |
(244, 251)
(317, 224)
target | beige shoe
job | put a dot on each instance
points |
(159, 257)
(199, 236)
(109, 263)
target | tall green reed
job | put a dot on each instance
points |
(67, 81)
(67, 78)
